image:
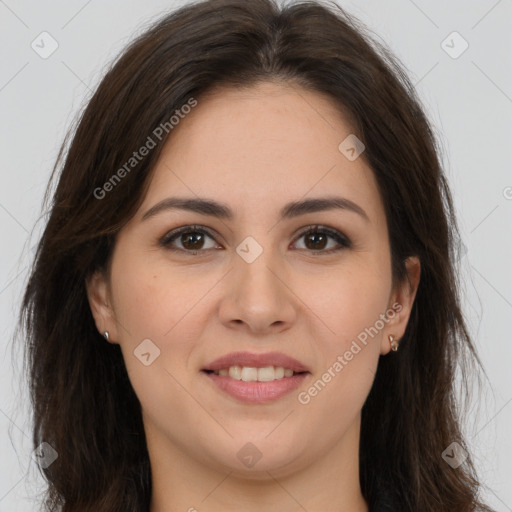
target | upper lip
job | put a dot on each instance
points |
(253, 360)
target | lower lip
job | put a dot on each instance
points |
(257, 392)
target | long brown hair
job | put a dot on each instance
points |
(83, 402)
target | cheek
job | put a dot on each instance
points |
(166, 307)
(350, 304)
(152, 301)
(349, 301)
(349, 359)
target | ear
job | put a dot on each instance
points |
(98, 294)
(400, 304)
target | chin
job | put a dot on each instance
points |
(255, 459)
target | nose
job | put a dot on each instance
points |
(259, 298)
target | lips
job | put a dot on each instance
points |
(252, 360)
(256, 378)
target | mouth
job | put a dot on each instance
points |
(256, 378)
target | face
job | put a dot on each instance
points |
(253, 282)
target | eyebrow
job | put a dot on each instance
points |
(213, 208)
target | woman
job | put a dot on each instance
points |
(245, 295)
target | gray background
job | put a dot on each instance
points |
(468, 98)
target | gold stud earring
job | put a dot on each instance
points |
(393, 343)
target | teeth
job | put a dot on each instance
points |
(251, 374)
(266, 374)
(235, 372)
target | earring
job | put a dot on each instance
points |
(393, 343)
(105, 335)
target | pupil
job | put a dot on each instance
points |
(315, 237)
(188, 238)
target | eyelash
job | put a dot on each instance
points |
(342, 240)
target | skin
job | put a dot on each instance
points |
(235, 147)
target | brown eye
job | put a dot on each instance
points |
(317, 239)
(190, 239)
(194, 239)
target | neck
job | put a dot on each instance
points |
(183, 483)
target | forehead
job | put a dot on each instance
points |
(261, 147)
